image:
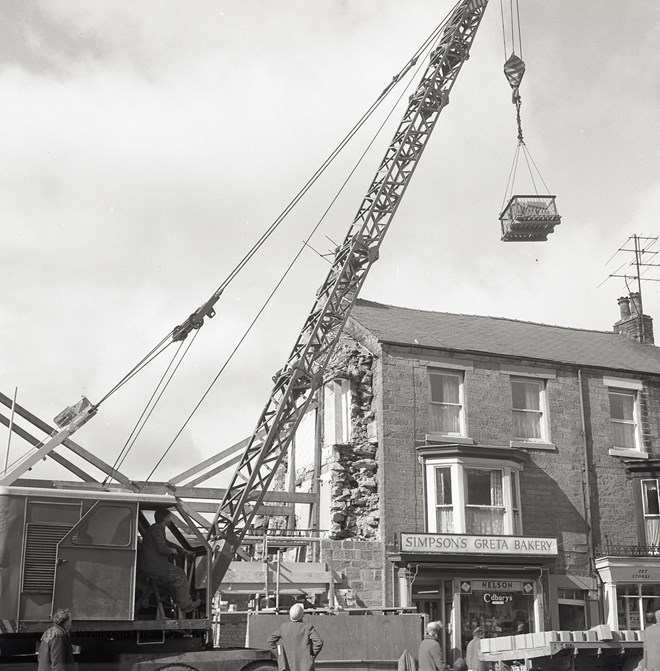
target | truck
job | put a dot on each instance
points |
(75, 544)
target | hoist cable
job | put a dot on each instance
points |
(139, 425)
(531, 174)
(349, 136)
(538, 172)
(520, 46)
(161, 393)
(294, 201)
(513, 33)
(510, 180)
(503, 29)
(278, 284)
(147, 359)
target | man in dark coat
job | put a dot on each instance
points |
(154, 559)
(55, 649)
(430, 653)
(295, 643)
(652, 645)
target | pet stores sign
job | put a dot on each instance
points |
(452, 544)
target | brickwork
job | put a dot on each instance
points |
(551, 480)
(357, 565)
(377, 477)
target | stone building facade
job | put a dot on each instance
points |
(490, 472)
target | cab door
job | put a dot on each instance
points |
(95, 572)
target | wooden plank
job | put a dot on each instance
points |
(68, 443)
(19, 431)
(218, 493)
(216, 470)
(210, 507)
(198, 468)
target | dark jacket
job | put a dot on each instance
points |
(155, 551)
(296, 644)
(55, 650)
(652, 648)
(430, 655)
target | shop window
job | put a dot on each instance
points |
(502, 612)
(444, 510)
(636, 605)
(572, 606)
(467, 499)
(651, 509)
(623, 414)
(528, 400)
(446, 403)
(484, 501)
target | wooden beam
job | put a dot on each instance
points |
(68, 443)
(198, 468)
(218, 493)
(35, 442)
(216, 470)
(210, 507)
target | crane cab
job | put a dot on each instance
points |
(77, 549)
(529, 218)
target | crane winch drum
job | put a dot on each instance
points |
(529, 218)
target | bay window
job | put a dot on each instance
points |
(473, 496)
(484, 502)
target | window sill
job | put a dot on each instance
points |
(530, 445)
(628, 453)
(444, 438)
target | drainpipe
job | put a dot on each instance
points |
(587, 492)
(587, 484)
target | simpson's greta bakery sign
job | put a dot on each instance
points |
(468, 544)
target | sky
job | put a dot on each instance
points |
(144, 147)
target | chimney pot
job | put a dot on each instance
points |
(624, 307)
(636, 304)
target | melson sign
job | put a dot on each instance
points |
(488, 545)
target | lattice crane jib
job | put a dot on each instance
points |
(295, 384)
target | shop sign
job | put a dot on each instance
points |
(483, 545)
(494, 585)
(497, 598)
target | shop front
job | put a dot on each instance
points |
(497, 583)
(631, 590)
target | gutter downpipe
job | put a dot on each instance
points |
(587, 492)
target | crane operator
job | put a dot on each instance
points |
(154, 559)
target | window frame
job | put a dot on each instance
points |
(634, 393)
(458, 466)
(449, 372)
(624, 384)
(542, 412)
(576, 599)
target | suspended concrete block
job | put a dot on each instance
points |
(529, 218)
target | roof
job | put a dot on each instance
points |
(505, 337)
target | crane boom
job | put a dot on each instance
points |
(295, 384)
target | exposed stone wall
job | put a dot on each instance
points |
(354, 467)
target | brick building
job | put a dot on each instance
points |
(489, 471)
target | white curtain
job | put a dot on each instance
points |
(445, 409)
(487, 519)
(652, 525)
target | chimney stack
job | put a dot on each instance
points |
(633, 324)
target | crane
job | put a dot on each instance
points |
(302, 375)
